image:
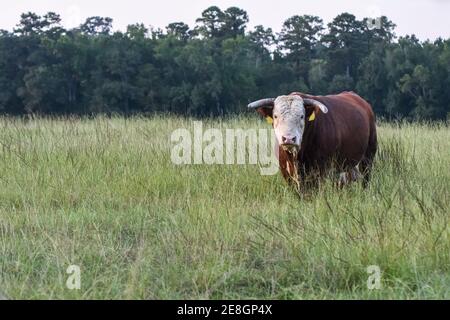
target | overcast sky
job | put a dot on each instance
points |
(428, 19)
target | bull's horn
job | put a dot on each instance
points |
(315, 103)
(262, 103)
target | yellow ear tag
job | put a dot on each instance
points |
(269, 120)
(312, 117)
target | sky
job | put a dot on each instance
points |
(427, 19)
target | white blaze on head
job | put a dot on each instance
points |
(289, 120)
(288, 114)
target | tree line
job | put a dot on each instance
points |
(218, 66)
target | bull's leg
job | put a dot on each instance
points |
(355, 174)
(367, 161)
(349, 176)
(366, 168)
(343, 179)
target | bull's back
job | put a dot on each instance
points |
(344, 132)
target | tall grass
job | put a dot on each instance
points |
(104, 195)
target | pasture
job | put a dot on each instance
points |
(103, 194)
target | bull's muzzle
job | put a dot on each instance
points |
(290, 148)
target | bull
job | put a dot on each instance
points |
(317, 133)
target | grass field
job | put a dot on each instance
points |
(103, 194)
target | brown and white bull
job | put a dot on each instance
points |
(317, 133)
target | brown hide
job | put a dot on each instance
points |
(343, 137)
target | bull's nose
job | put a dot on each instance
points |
(289, 139)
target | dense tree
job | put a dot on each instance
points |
(235, 21)
(373, 78)
(96, 26)
(211, 22)
(298, 38)
(377, 32)
(217, 67)
(345, 45)
(137, 32)
(33, 24)
(179, 30)
(263, 38)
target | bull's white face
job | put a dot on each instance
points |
(289, 121)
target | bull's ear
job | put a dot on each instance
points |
(264, 107)
(265, 112)
(312, 103)
(313, 107)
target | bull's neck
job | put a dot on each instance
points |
(307, 137)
